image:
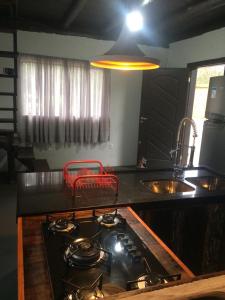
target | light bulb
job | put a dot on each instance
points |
(118, 247)
(134, 21)
(145, 2)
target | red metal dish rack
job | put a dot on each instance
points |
(90, 180)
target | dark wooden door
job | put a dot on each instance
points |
(163, 105)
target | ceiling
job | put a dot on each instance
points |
(166, 21)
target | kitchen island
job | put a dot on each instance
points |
(45, 193)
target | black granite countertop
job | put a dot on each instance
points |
(45, 192)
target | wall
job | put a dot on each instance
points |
(126, 87)
(206, 46)
(125, 98)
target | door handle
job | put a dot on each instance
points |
(143, 118)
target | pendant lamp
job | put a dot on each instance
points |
(125, 55)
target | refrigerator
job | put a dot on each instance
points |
(212, 152)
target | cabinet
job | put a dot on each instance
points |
(194, 233)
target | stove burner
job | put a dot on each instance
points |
(86, 294)
(82, 252)
(148, 280)
(94, 293)
(70, 296)
(108, 220)
(151, 279)
(85, 245)
(62, 225)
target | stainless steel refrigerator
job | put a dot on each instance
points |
(213, 140)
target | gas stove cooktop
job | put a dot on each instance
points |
(99, 256)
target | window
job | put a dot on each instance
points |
(62, 100)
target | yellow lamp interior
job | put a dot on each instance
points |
(124, 65)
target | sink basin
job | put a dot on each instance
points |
(210, 183)
(167, 186)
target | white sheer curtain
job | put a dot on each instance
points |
(62, 101)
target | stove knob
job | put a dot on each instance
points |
(136, 256)
(120, 236)
(125, 240)
(127, 249)
(129, 246)
(132, 249)
(127, 243)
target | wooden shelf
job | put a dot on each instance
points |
(7, 94)
(7, 109)
(7, 30)
(6, 120)
(8, 76)
(6, 131)
(9, 54)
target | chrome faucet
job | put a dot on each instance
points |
(178, 151)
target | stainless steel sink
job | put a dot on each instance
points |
(167, 186)
(210, 183)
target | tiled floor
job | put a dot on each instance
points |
(8, 242)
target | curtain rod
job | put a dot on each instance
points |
(56, 57)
